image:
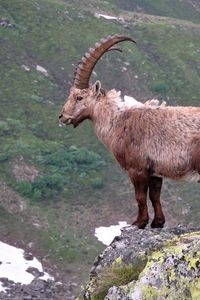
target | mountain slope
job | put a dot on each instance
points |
(186, 9)
(179, 9)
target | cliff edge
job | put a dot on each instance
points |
(147, 264)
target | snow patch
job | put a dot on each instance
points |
(26, 68)
(2, 289)
(107, 17)
(107, 234)
(14, 266)
(42, 70)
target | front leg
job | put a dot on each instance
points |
(140, 181)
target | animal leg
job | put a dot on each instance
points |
(155, 185)
(196, 156)
(140, 182)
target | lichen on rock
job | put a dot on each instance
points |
(147, 264)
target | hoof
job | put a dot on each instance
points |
(141, 224)
(158, 223)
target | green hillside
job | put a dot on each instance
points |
(186, 10)
(79, 185)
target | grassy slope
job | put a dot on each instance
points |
(175, 9)
(166, 61)
(185, 10)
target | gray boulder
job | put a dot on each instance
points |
(150, 264)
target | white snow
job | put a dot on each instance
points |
(107, 17)
(42, 70)
(14, 266)
(107, 234)
(26, 68)
(2, 289)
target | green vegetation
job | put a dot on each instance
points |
(115, 276)
(175, 9)
(70, 168)
(44, 187)
(118, 274)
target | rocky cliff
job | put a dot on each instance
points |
(147, 264)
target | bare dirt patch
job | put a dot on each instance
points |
(11, 200)
(23, 171)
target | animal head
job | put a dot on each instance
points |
(83, 96)
(80, 103)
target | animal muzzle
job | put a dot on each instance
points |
(67, 120)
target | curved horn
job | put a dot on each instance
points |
(89, 60)
(115, 48)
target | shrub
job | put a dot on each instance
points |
(73, 159)
(24, 188)
(159, 87)
(10, 126)
(47, 186)
(74, 167)
(4, 157)
(42, 188)
(79, 166)
(96, 183)
(39, 130)
(4, 128)
(15, 125)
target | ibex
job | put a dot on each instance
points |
(149, 142)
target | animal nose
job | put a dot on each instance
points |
(60, 116)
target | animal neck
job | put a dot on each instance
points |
(105, 115)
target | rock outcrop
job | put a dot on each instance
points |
(147, 264)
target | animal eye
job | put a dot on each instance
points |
(79, 98)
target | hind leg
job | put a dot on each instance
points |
(155, 185)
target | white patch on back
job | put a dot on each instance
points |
(128, 102)
(132, 102)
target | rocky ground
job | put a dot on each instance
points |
(38, 289)
(23, 277)
(147, 264)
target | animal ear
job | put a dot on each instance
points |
(97, 88)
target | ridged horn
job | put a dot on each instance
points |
(89, 60)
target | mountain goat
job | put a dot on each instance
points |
(148, 141)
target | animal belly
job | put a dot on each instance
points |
(191, 177)
(174, 164)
